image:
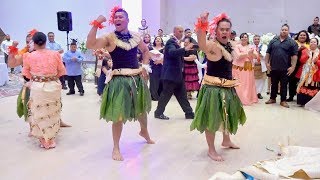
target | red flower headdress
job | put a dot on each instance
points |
(112, 14)
(32, 32)
(215, 20)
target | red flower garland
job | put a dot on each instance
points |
(97, 24)
(13, 50)
(215, 20)
(201, 26)
(112, 14)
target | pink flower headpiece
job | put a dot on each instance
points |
(112, 14)
(215, 20)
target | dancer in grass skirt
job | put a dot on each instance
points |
(126, 96)
(218, 106)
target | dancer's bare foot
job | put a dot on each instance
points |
(230, 145)
(215, 156)
(116, 155)
(63, 124)
(44, 144)
(52, 144)
(146, 136)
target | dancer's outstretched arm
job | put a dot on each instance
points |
(92, 41)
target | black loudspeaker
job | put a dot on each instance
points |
(64, 21)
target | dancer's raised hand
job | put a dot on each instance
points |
(15, 43)
(101, 19)
(204, 17)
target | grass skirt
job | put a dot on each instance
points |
(218, 108)
(125, 98)
(22, 108)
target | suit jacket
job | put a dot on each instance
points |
(173, 61)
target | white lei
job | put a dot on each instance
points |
(133, 42)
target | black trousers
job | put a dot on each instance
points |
(276, 77)
(6, 61)
(293, 82)
(155, 86)
(75, 80)
(63, 78)
(177, 89)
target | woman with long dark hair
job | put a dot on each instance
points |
(308, 85)
(243, 70)
(156, 67)
(190, 71)
(303, 41)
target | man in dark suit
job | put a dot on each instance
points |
(171, 76)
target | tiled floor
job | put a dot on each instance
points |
(84, 151)
(12, 87)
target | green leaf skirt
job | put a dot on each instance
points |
(217, 108)
(22, 108)
(125, 98)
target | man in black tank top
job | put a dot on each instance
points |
(126, 96)
(218, 106)
(173, 82)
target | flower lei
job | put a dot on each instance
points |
(215, 20)
(112, 14)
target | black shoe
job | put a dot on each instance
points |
(259, 96)
(290, 99)
(70, 93)
(163, 117)
(64, 87)
(81, 93)
(189, 116)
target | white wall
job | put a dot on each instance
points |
(19, 17)
(247, 15)
(151, 12)
(134, 9)
(164, 21)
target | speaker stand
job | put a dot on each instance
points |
(68, 40)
